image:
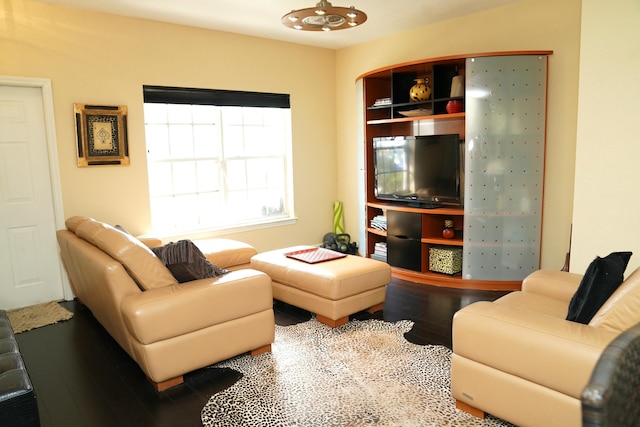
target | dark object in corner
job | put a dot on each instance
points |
(602, 278)
(18, 405)
(567, 258)
(340, 243)
(612, 396)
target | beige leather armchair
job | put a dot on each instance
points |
(517, 358)
(168, 328)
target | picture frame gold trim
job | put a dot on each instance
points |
(101, 135)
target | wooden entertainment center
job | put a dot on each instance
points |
(502, 126)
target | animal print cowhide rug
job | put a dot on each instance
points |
(362, 373)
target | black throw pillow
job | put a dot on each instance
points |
(602, 278)
(186, 261)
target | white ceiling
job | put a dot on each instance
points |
(261, 18)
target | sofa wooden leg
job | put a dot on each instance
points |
(375, 308)
(260, 350)
(478, 413)
(330, 322)
(163, 385)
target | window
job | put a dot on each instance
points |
(217, 159)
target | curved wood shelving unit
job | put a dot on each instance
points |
(385, 100)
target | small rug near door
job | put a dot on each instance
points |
(36, 316)
(362, 373)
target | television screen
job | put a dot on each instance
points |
(421, 169)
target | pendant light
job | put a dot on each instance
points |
(324, 17)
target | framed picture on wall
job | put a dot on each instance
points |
(101, 135)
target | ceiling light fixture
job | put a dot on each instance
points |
(324, 17)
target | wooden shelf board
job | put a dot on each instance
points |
(412, 119)
(442, 241)
(434, 211)
(376, 231)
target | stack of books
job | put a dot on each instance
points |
(379, 222)
(380, 251)
(382, 101)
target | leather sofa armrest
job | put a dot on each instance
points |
(163, 313)
(546, 350)
(554, 284)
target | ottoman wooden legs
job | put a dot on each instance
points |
(339, 322)
(330, 322)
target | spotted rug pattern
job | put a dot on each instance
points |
(362, 373)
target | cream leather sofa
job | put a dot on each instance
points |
(169, 328)
(517, 358)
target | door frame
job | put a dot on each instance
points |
(52, 149)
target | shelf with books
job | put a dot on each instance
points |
(389, 111)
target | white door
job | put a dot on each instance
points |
(30, 270)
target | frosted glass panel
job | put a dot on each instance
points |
(504, 169)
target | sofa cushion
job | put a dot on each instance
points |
(145, 268)
(534, 303)
(602, 278)
(622, 309)
(150, 242)
(186, 262)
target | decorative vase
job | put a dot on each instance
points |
(454, 106)
(420, 91)
(457, 87)
(448, 232)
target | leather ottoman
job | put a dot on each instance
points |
(332, 290)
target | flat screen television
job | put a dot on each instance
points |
(419, 170)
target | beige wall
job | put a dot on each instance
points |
(526, 25)
(607, 175)
(105, 59)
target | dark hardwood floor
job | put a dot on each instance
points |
(83, 378)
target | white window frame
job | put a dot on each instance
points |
(191, 164)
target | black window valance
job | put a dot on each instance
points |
(179, 95)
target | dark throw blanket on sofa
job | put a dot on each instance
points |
(186, 262)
